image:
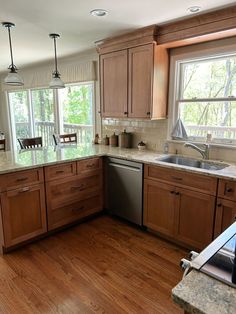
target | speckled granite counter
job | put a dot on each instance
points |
(15, 161)
(198, 293)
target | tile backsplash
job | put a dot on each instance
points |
(153, 133)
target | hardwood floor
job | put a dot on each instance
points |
(100, 266)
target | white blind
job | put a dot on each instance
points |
(40, 76)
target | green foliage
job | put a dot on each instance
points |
(213, 78)
(77, 105)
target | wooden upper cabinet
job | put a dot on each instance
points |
(114, 84)
(140, 81)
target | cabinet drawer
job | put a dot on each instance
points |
(60, 171)
(180, 178)
(70, 213)
(17, 179)
(67, 191)
(88, 165)
(227, 189)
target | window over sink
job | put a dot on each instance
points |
(42, 112)
(203, 92)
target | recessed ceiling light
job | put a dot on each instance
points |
(99, 12)
(194, 9)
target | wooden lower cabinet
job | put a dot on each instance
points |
(225, 215)
(194, 219)
(23, 214)
(183, 215)
(72, 198)
(159, 207)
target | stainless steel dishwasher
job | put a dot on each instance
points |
(125, 189)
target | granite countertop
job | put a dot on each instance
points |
(198, 293)
(26, 159)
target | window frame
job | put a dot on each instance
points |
(58, 114)
(193, 53)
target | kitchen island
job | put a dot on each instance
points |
(199, 293)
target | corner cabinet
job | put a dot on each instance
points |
(134, 82)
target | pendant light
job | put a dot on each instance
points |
(56, 82)
(13, 77)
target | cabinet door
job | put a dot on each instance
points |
(159, 206)
(114, 84)
(140, 81)
(23, 214)
(225, 215)
(194, 221)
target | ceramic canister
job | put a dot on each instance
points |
(125, 140)
(114, 140)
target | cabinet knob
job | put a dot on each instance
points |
(172, 192)
(228, 190)
(99, 111)
(126, 112)
(177, 193)
(219, 205)
(148, 113)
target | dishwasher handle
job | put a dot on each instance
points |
(133, 168)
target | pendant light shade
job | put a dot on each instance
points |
(56, 81)
(13, 77)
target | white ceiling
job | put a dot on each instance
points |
(79, 30)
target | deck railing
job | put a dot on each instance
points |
(46, 129)
(219, 132)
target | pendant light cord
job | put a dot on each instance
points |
(12, 66)
(55, 48)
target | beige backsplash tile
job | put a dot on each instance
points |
(154, 134)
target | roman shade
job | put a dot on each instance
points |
(40, 76)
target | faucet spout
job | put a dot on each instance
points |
(204, 152)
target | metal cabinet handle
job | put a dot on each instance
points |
(177, 178)
(25, 189)
(90, 165)
(22, 179)
(60, 171)
(79, 187)
(78, 209)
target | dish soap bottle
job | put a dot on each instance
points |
(166, 148)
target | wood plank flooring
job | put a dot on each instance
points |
(100, 266)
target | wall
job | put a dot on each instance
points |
(153, 133)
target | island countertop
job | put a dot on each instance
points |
(198, 293)
(11, 161)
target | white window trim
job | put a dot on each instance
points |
(202, 51)
(57, 108)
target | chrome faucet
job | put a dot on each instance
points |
(204, 152)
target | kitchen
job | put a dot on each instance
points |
(103, 227)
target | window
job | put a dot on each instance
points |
(205, 96)
(42, 112)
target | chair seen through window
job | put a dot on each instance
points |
(27, 143)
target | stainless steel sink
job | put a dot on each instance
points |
(194, 163)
